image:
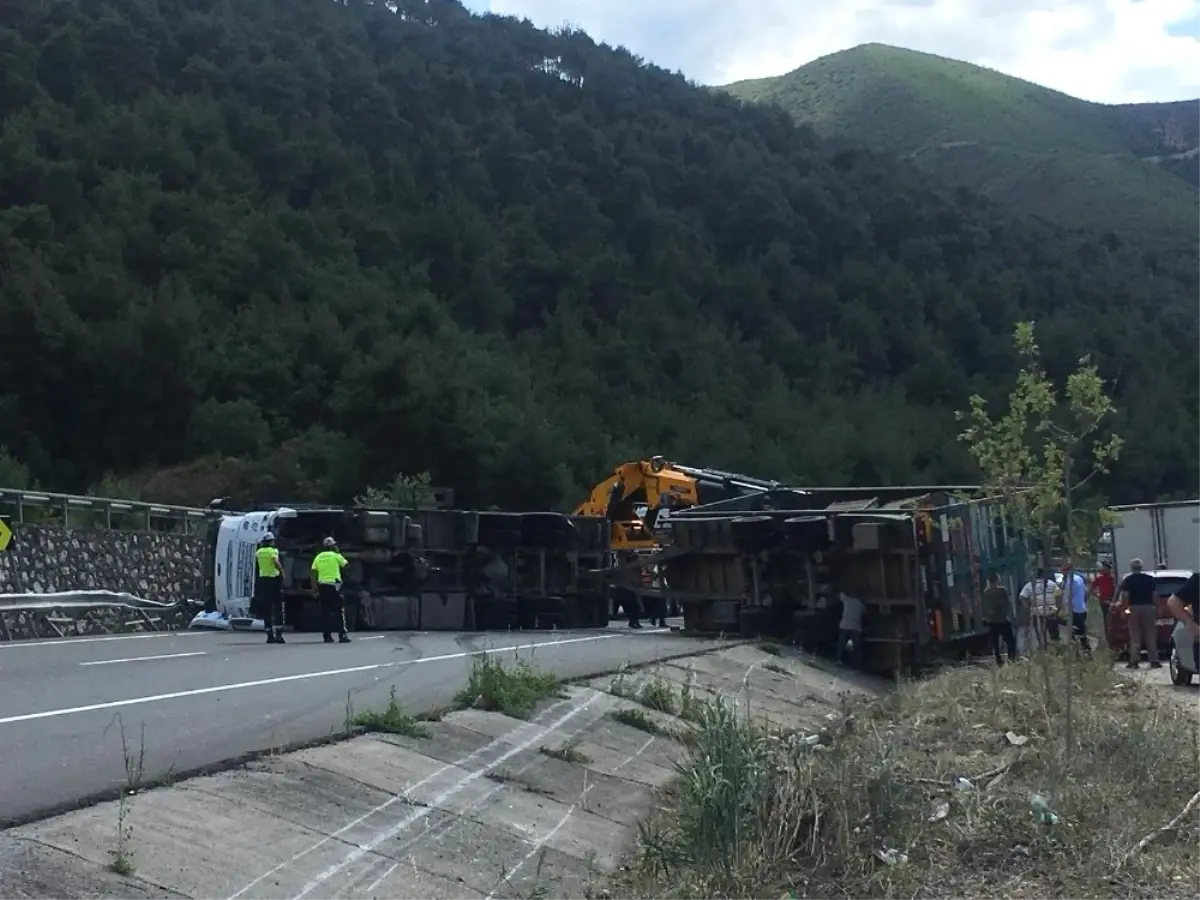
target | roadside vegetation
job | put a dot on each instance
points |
(393, 719)
(121, 855)
(514, 691)
(973, 783)
(568, 752)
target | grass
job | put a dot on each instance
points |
(636, 718)
(515, 692)
(1038, 150)
(656, 693)
(121, 855)
(568, 752)
(392, 720)
(881, 807)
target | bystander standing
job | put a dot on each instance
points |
(997, 614)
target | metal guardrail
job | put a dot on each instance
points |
(73, 613)
(106, 513)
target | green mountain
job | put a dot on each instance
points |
(1129, 168)
(289, 248)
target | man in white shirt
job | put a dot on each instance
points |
(1039, 596)
(850, 629)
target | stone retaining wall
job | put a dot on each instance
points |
(156, 566)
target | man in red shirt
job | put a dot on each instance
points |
(1103, 586)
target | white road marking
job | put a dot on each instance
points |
(421, 812)
(374, 637)
(69, 642)
(396, 798)
(284, 679)
(382, 878)
(129, 659)
(549, 835)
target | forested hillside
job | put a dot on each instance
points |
(292, 247)
(1128, 168)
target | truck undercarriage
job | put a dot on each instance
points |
(432, 569)
(776, 563)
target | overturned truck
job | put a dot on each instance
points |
(434, 569)
(774, 563)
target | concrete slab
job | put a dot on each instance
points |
(379, 764)
(406, 879)
(462, 851)
(652, 771)
(544, 822)
(609, 796)
(447, 742)
(189, 841)
(311, 797)
(30, 869)
(493, 725)
(625, 743)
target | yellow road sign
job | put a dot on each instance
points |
(5, 535)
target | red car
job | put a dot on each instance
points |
(1166, 582)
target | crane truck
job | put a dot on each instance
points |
(639, 496)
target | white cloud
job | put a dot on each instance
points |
(1112, 51)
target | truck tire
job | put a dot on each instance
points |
(1180, 677)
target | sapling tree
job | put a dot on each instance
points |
(1038, 453)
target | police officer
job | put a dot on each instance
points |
(269, 587)
(327, 576)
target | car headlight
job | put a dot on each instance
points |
(1128, 611)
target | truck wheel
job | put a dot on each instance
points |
(1180, 676)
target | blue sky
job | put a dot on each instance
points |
(1111, 51)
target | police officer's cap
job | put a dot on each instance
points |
(268, 537)
(329, 542)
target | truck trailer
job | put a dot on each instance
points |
(429, 569)
(774, 563)
(1161, 535)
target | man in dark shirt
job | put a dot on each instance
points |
(997, 613)
(1139, 594)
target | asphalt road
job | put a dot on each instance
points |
(188, 700)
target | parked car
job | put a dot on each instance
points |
(1183, 665)
(1166, 582)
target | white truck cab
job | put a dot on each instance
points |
(233, 565)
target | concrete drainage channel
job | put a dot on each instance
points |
(476, 804)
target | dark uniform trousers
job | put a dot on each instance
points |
(333, 610)
(270, 601)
